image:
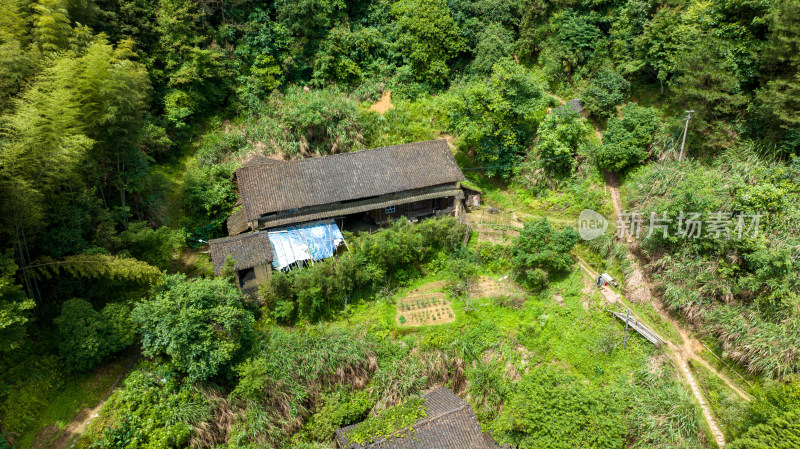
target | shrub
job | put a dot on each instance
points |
(155, 246)
(199, 324)
(781, 432)
(541, 251)
(339, 408)
(302, 124)
(428, 38)
(499, 118)
(389, 422)
(606, 90)
(554, 410)
(153, 410)
(290, 372)
(84, 335)
(207, 199)
(374, 262)
(122, 331)
(26, 388)
(562, 135)
(627, 141)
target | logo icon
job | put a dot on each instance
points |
(591, 224)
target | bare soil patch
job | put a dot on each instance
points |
(488, 287)
(384, 104)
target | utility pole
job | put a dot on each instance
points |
(685, 129)
(627, 318)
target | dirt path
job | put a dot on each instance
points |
(640, 287)
(612, 183)
(78, 425)
(559, 99)
(384, 104)
(690, 346)
(679, 357)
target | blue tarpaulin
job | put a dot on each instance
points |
(316, 241)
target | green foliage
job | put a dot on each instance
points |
(776, 108)
(561, 137)
(153, 410)
(606, 90)
(499, 118)
(627, 141)
(494, 44)
(658, 48)
(654, 392)
(14, 307)
(343, 53)
(540, 251)
(200, 324)
(571, 42)
(157, 247)
(551, 409)
(747, 302)
(390, 422)
(207, 198)
(84, 335)
(374, 261)
(99, 266)
(28, 386)
(428, 38)
(196, 77)
(709, 85)
(463, 269)
(302, 124)
(782, 432)
(121, 330)
(289, 372)
(339, 408)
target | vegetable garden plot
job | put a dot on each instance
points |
(424, 306)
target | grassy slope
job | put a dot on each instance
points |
(78, 392)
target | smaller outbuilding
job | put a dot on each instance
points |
(252, 253)
(450, 424)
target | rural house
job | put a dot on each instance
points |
(412, 180)
(301, 205)
(450, 424)
(252, 253)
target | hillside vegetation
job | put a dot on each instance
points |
(123, 121)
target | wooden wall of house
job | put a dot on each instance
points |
(410, 210)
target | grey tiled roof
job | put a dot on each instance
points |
(450, 424)
(273, 187)
(237, 224)
(574, 104)
(248, 250)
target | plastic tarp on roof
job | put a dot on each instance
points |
(317, 240)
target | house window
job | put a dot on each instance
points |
(389, 210)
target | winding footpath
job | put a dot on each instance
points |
(687, 350)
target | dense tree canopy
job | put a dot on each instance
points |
(199, 324)
(122, 123)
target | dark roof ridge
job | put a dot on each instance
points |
(343, 153)
(341, 177)
(231, 238)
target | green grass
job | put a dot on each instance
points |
(79, 392)
(645, 311)
(712, 354)
(728, 408)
